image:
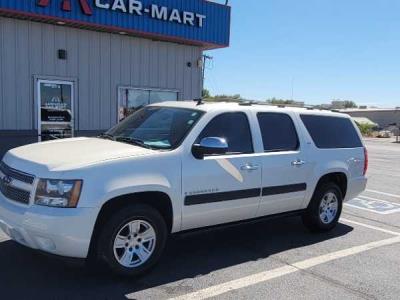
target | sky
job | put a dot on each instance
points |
(324, 49)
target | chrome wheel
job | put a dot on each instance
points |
(134, 244)
(328, 208)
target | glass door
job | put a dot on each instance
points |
(55, 109)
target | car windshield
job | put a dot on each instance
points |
(155, 127)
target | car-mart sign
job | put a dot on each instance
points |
(137, 8)
(197, 22)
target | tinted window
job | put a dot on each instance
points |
(332, 132)
(234, 127)
(278, 132)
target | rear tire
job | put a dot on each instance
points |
(132, 241)
(325, 208)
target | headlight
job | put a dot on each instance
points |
(58, 193)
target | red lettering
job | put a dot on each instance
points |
(66, 5)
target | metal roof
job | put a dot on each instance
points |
(362, 120)
(350, 110)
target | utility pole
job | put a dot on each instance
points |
(205, 59)
(292, 88)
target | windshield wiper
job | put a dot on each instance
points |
(106, 136)
(133, 141)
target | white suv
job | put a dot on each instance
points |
(178, 166)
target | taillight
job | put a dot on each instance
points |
(365, 161)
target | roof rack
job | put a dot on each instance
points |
(199, 101)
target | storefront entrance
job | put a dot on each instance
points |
(55, 109)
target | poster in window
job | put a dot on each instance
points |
(56, 111)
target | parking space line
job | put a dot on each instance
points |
(373, 199)
(383, 193)
(370, 227)
(261, 277)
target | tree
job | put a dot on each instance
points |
(350, 104)
(276, 101)
(227, 98)
(366, 129)
(206, 93)
(337, 104)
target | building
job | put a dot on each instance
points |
(383, 117)
(338, 104)
(77, 67)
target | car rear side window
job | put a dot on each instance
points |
(278, 132)
(331, 132)
(235, 128)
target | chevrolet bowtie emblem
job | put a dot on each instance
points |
(7, 180)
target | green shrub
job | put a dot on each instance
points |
(366, 129)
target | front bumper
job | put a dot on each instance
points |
(60, 231)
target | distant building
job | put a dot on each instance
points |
(299, 103)
(338, 104)
(325, 106)
(383, 117)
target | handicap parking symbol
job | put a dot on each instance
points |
(374, 205)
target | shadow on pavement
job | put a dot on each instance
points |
(26, 274)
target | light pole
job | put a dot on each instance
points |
(292, 88)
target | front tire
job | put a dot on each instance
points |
(132, 241)
(325, 208)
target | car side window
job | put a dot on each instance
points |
(331, 132)
(235, 128)
(278, 132)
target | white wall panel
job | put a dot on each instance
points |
(100, 62)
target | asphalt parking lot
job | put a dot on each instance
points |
(275, 259)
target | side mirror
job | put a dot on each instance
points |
(210, 146)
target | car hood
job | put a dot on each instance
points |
(67, 154)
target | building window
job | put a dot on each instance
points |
(132, 99)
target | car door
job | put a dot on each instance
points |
(284, 164)
(222, 188)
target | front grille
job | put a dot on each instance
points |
(14, 193)
(15, 174)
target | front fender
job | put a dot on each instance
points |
(140, 184)
(123, 177)
(134, 185)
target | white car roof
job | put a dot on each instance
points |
(232, 106)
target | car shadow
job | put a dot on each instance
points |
(26, 274)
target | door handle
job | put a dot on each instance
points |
(249, 167)
(298, 163)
